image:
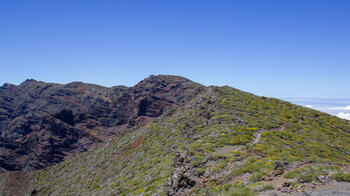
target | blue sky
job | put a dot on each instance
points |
(289, 48)
(336, 107)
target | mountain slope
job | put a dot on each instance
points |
(224, 141)
(43, 123)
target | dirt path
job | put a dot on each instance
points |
(256, 140)
(226, 149)
(334, 188)
(257, 137)
(283, 127)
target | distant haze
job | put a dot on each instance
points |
(336, 107)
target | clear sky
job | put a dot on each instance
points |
(281, 48)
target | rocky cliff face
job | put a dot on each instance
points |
(44, 123)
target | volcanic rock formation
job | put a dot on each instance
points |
(44, 123)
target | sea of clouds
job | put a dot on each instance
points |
(336, 107)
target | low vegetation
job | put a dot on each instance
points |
(342, 177)
(216, 131)
(310, 173)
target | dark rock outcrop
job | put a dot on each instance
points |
(185, 177)
(182, 179)
(44, 123)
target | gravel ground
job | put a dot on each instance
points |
(337, 189)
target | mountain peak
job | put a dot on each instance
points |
(167, 135)
(37, 110)
(166, 79)
(29, 81)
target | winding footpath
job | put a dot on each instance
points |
(257, 138)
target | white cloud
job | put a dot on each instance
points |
(344, 115)
(296, 99)
(341, 108)
(309, 106)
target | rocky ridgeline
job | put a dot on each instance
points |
(44, 123)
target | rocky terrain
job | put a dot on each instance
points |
(42, 123)
(170, 136)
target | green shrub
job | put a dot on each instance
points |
(200, 171)
(310, 173)
(216, 156)
(227, 186)
(257, 176)
(342, 177)
(260, 187)
(309, 177)
(237, 189)
(268, 187)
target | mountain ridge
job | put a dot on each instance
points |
(218, 141)
(72, 110)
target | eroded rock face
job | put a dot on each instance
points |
(43, 123)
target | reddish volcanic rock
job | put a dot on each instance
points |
(43, 123)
